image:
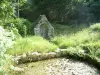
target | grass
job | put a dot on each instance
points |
(93, 48)
(66, 29)
(65, 36)
(85, 38)
(76, 39)
(31, 44)
(95, 27)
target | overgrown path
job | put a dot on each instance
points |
(59, 66)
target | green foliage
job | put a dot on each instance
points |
(94, 8)
(22, 2)
(86, 39)
(68, 37)
(5, 63)
(63, 11)
(72, 40)
(95, 27)
(6, 9)
(5, 60)
(23, 26)
(31, 44)
(16, 34)
(93, 48)
(55, 10)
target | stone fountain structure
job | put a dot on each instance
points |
(44, 28)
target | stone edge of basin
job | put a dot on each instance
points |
(35, 56)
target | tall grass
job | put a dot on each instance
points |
(75, 39)
(92, 47)
(86, 38)
(95, 27)
(61, 30)
(31, 44)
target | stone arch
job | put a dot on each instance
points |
(44, 31)
(44, 28)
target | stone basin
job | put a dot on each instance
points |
(59, 66)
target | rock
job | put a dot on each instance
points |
(52, 54)
(35, 53)
(44, 28)
(16, 59)
(18, 69)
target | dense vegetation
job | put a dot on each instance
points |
(86, 39)
(63, 11)
(76, 24)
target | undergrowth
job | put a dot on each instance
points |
(87, 39)
(31, 44)
(84, 37)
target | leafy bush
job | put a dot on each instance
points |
(24, 26)
(95, 27)
(16, 34)
(5, 42)
(6, 9)
(31, 44)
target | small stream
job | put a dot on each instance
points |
(59, 66)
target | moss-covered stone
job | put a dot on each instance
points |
(77, 55)
(44, 28)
